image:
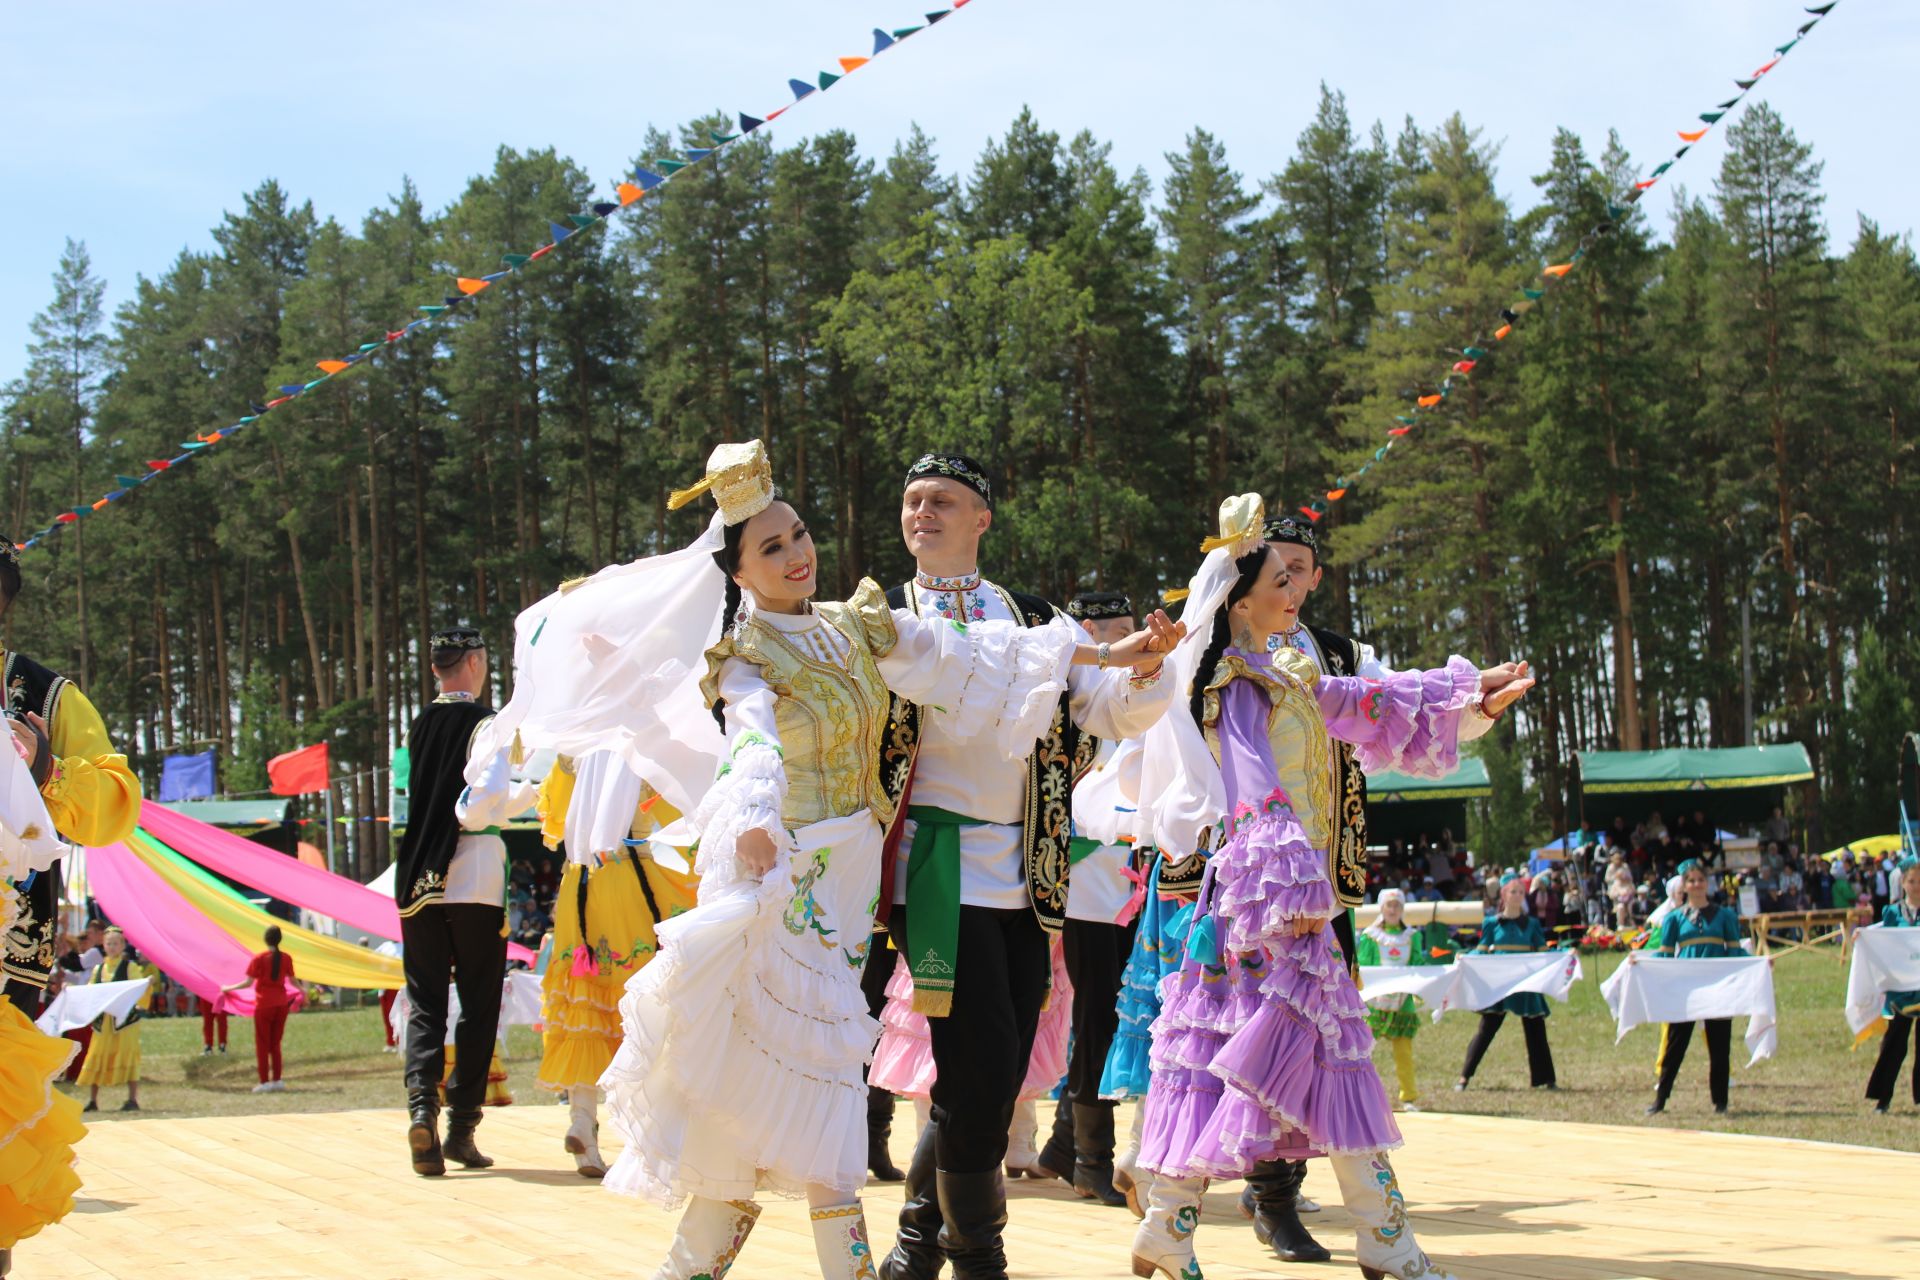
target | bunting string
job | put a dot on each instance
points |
(644, 180)
(1426, 405)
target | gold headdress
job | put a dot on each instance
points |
(1241, 518)
(740, 479)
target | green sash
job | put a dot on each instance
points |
(1079, 847)
(933, 905)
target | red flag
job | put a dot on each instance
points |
(298, 773)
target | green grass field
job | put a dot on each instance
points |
(1812, 1089)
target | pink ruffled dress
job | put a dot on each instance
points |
(903, 1062)
(1262, 1050)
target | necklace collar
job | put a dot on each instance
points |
(968, 581)
(456, 696)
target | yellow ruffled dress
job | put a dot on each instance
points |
(38, 1127)
(113, 1055)
(599, 940)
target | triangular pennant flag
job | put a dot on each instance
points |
(193, 444)
(672, 166)
(433, 311)
(851, 65)
(1682, 151)
(66, 517)
(1662, 167)
(828, 81)
(1807, 26)
(1533, 295)
(721, 139)
(275, 404)
(1334, 495)
(648, 181)
(1427, 402)
(1695, 136)
(491, 276)
(368, 346)
(1644, 183)
(1746, 84)
(1473, 353)
(1446, 389)
(1380, 453)
(127, 482)
(882, 41)
(1712, 117)
(293, 388)
(1310, 514)
(1406, 418)
(331, 366)
(559, 232)
(1507, 314)
(1822, 10)
(1734, 101)
(800, 89)
(468, 286)
(901, 33)
(453, 299)
(311, 385)
(602, 208)
(114, 493)
(935, 17)
(1579, 253)
(1760, 71)
(628, 193)
(749, 123)
(103, 502)
(1464, 366)
(1788, 45)
(776, 114)
(541, 252)
(581, 221)
(1500, 334)
(697, 154)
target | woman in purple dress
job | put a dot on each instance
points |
(1261, 1050)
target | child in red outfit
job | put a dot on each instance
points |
(269, 972)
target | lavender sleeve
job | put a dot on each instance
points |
(1246, 755)
(1407, 720)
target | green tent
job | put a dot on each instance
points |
(1731, 784)
(1400, 806)
(232, 813)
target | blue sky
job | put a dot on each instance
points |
(133, 126)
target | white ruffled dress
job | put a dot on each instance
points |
(741, 1070)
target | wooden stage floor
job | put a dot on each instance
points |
(330, 1195)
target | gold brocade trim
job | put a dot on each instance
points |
(837, 1211)
(1296, 734)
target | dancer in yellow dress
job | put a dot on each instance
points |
(113, 1056)
(612, 894)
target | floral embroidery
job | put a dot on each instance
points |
(803, 910)
(1183, 1223)
(1373, 706)
(956, 599)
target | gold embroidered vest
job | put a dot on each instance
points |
(1296, 733)
(830, 717)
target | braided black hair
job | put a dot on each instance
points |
(1250, 566)
(728, 558)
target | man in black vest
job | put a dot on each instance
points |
(1272, 1196)
(450, 883)
(979, 885)
(90, 793)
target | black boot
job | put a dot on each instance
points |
(461, 1122)
(1093, 1153)
(1056, 1157)
(1272, 1188)
(423, 1132)
(916, 1248)
(973, 1209)
(879, 1129)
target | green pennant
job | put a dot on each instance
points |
(1616, 212)
(671, 166)
(1712, 117)
(1578, 254)
(1406, 420)
(369, 346)
(901, 33)
(1381, 452)
(722, 139)
(1746, 84)
(1782, 48)
(433, 311)
(1661, 168)
(582, 220)
(1535, 294)
(1473, 353)
(126, 482)
(827, 81)
(515, 261)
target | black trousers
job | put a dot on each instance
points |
(1096, 956)
(980, 1050)
(461, 943)
(1539, 1053)
(1719, 1057)
(1893, 1055)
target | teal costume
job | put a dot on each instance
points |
(1713, 934)
(1903, 1022)
(1502, 936)
(1901, 1003)
(1499, 935)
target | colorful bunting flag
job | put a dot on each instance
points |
(749, 123)
(851, 65)
(800, 89)
(1427, 402)
(881, 42)
(1695, 136)
(827, 81)
(629, 193)
(467, 286)
(331, 366)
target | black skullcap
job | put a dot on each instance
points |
(456, 638)
(954, 466)
(1287, 529)
(1097, 606)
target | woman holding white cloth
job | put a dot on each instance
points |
(745, 1038)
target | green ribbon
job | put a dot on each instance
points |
(1078, 847)
(933, 905)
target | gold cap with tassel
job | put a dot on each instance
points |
(740, 479)
(1241, 519)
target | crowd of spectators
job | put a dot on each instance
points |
(532, 885)
(1426, 868)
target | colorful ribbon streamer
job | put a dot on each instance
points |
(467, 287)
(1551, 277)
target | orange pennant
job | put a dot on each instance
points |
(100, 504)
(331, 366)
(628, 192)
(1334, 495)
(1695, 136)
(853, 64)
(1557, 271)
(1427, 402)
(1770, 66)
(469, 287)
(1500, 334)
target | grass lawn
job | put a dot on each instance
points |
(1812, 1089)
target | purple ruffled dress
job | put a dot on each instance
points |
(1262, 1050)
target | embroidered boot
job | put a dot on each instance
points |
(1385, 1248)
(461, 1122)
(1163, 1243)
(423, 1132)
(708, 1239)
(1129, 1179)
(583, 1132)
(840, 1238)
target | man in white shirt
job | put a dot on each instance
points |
(980, 880)
(450, 883)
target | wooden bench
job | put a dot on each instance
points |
(1815, 927)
